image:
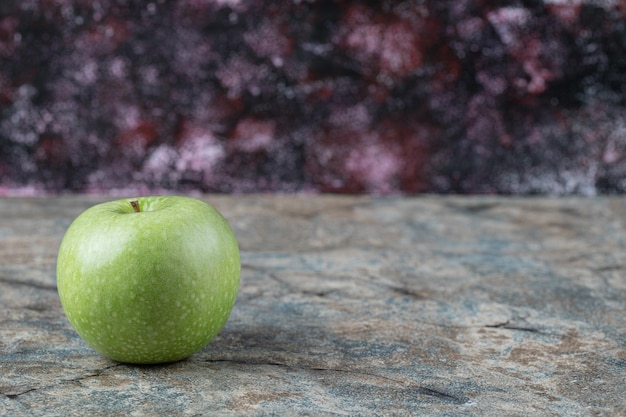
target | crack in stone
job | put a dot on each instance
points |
(91, 374)
(507, 325)
(407, 384)
(15, 395)
(606, 268)
(443, 395)
(287, 284)
(317, 293)
(397, 289)
(407, 292)
(504, 325)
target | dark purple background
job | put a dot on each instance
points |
(329, 96)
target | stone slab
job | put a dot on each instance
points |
(483, 306)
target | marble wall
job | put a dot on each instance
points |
(456, 96)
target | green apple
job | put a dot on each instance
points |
(149, 279)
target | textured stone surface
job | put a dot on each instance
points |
(386, 96)
(352, 306)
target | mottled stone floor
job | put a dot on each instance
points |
(352, 306)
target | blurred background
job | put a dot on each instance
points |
(239, 96)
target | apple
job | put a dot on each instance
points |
(149, 279)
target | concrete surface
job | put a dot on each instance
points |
(485, 306)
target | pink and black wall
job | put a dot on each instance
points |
(400, 97)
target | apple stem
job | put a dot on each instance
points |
(135, 205)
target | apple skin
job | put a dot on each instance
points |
(152, 286)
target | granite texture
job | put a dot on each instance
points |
(483, 306)
(389, 96)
